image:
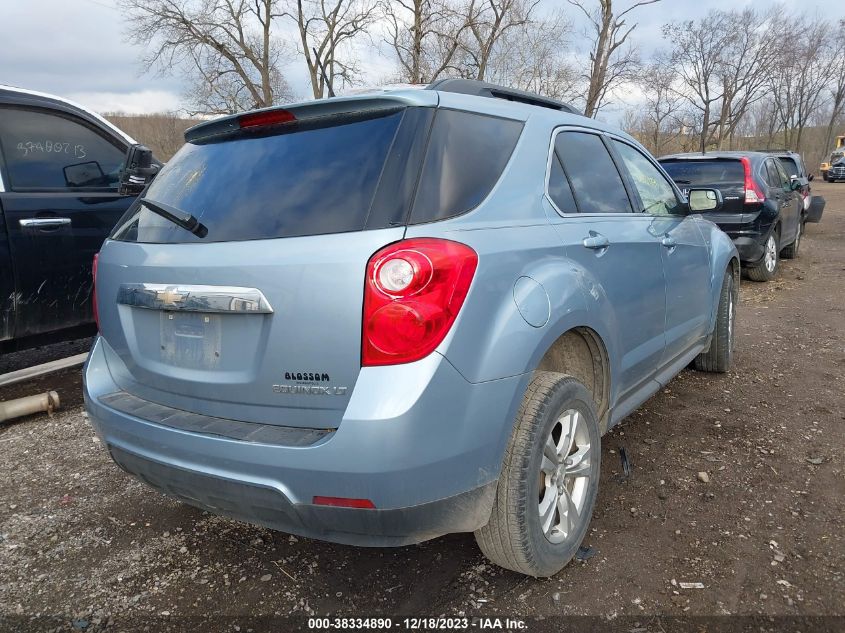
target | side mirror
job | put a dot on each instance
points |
(794, 184)
(810, 178)
(88, 174)
(701, 200)
(138, 170)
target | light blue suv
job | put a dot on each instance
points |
(379, 319)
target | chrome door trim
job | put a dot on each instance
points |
(38, 223)
(186, 298)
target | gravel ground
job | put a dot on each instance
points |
(761, 529)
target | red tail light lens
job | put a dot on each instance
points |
(753, 193)
(270, 117)
(413, 293)
(94, 291)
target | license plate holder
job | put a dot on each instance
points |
(192, 340)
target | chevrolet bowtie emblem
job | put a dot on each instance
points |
(170, 296)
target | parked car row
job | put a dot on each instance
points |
(767, 201)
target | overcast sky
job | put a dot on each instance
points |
(78, 49)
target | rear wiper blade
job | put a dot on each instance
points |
(682, 182)
(177, 216)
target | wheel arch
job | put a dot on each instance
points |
(581, 353)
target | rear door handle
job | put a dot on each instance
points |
(669, 242)
(44, 223)
(596, 242)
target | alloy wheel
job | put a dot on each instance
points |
(565, 477)
(771, 257)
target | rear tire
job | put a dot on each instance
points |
(549, 480)
(719, 357)
(768, 266)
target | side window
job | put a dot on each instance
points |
(467, 153)
(784, 179)
(596, 183)
(559, 190)
(50, 151)
(772, 175)
(657, 195)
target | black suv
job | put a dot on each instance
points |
(60, 171)
(763, 211)
(793, 164)
(836, 171)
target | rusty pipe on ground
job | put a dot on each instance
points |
(11, 409)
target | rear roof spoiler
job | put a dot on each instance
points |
(313, 112)
(484, 89)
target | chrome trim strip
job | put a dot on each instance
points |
(194, 298)
(43, 222)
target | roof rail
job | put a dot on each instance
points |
(775, 150)
(484, 89)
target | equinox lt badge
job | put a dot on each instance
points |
(310, 390)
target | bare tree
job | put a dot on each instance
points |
(835, 60)
(424, 35)
(226, 46)
(610, 62)
(660, 118)
(800, 77)
(326, 28)
(745, 65)
(697, 55)
(532, 56)
(487, 22)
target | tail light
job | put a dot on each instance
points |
(753, 193)
(94, 291)
(267, 117)
(413, 293)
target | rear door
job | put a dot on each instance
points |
(59, 205)
(616, 246)
(685, 255)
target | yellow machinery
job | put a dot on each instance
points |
(837, 153)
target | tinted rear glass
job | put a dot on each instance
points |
(789, 166)
(376, 171)
(705, 172)
(307, 182)
(595, 181)
(466, 155)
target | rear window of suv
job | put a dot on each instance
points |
(349, 174)
(789, 166)
(704, 172)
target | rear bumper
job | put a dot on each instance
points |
(427, 455)
(750, 248)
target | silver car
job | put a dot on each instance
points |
(379, 319)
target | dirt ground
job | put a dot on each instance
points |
(82, 541)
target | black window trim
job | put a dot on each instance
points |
(683, 204)
(603, 136)
(63, 114)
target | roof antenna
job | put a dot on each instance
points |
(323, 72)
